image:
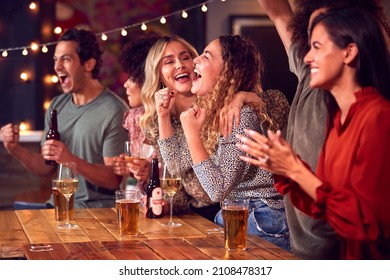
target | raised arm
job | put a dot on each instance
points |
(165, 100)
(32, 161)
(280, 12)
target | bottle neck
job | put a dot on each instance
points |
(154, 174)
(53, 120)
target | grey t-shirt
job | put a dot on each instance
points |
(310, 239)
(91, 131)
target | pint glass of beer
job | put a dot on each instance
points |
(127, 208)
(235, 223)
(60, 204)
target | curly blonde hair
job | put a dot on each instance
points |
(148, 121)
(242, 71)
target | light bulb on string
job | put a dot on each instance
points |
(32, 6)
(24, 76)
(34, 46)
(124, 32)
(4, 53)
(46, 105)
(23, 126)
(54, 79)
(57, 30)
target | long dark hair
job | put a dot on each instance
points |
(354, 25)
(304, 8)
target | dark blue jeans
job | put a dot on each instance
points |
(270, 224)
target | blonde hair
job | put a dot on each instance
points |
(148, 121)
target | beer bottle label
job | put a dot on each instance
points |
(155, 201)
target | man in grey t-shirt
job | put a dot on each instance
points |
(89, 122)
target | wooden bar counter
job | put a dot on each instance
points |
(33, 234)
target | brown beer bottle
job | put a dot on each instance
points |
(154, 193)
(53, 132)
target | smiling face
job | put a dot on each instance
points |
(133, 92)
(177, 67)
(326, 60)
(208, 66)
(72, 75)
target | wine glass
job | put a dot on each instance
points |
(67, 184)
(170, 182)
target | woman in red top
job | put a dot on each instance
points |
(351, 187)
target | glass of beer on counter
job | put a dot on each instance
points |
(127, 207)
(235, 223)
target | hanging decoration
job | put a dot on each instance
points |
(24, 50)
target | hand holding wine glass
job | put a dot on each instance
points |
(67, 184)
(137, 160)
(170, 182)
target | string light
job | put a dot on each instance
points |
(46, 104)
(45, 49)
(104, 35)
(23, 126)
(184, 14)
(57, 30)
(24, 76)
(34, 46)
(32, 6)
(54, 79)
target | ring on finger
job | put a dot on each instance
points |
(265, 159)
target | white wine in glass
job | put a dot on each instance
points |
(67, 184)
(170, 183)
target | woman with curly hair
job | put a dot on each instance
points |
(228, 65)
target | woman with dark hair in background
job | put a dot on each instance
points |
(348, 57)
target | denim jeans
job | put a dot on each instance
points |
(270, 224)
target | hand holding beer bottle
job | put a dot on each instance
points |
(52, 133)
